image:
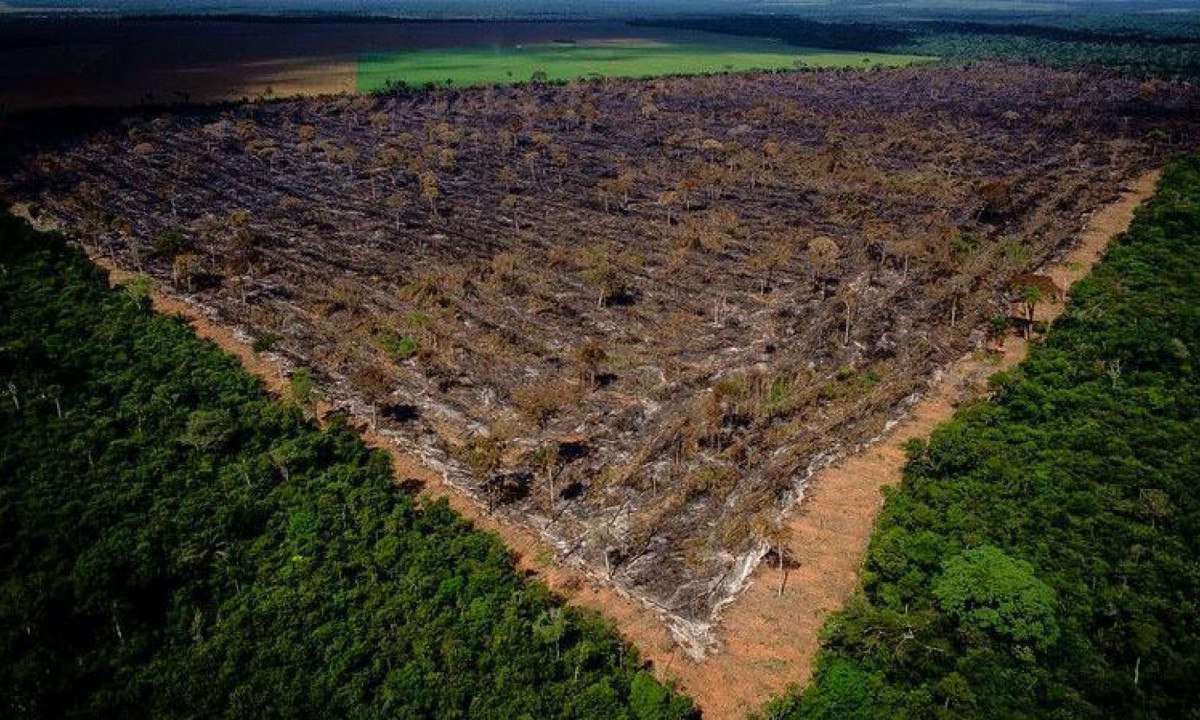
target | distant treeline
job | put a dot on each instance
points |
(1042, 556)
(867, 37)
(176, 544)
(1162, 47)
(315, 18)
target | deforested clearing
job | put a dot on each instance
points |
(632, 316)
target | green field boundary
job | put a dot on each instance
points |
(562, 62)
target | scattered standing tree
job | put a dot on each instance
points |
(588, 357)
(848, 294)
(431, 190)
(685, 190)
(765, 262)
(995, 200)
(881, 238)
(777, 534)
(533, 161)
(183, 270)
(822, 257)
(348, 155)
(214, 133)
(396, 203)
(508, 178)
(996, 328)
(616, 189)
(389, 162)
(904, 248)
(265, 150)
(379, 120)
(604, 192)
(747, 165)
(509, 204)
(124, 229)
(667, 200)
(1030, 296)
(546, 459)
(958, 286)
(482, 455)
(241, 252)
(245, 129)
(508, 272)
(604, 276)
(1032, 289)
(170, 243)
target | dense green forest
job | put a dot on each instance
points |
(177, 544)
(1151, 45)
(1041, 557)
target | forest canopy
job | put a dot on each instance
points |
(1162, 45)
(177, 544)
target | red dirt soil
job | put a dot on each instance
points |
(768, 639)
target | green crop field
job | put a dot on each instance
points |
(465, 66)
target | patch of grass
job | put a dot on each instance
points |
(466, 66)
(398, 348)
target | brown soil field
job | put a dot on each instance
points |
(629, 319)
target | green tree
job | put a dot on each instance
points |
(841, 694)
(303, 392)
(987, 589)
(649, 700)
(550, 627)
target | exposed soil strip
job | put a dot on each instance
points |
(768, 639)
(638, 622)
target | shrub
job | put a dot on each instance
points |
(265, 342)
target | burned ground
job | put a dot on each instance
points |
(634, 316)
